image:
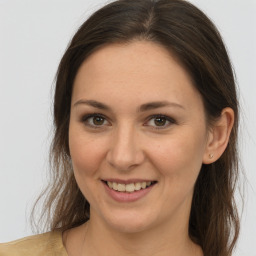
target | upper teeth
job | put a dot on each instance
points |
(128, 187)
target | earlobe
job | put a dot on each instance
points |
(219, 136)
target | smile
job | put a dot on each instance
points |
(129, 188)
(127, 191)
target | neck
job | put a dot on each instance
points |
(163, 240)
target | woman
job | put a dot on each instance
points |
(144, 154)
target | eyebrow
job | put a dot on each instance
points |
(93, 103)
(158, 104)
(144, 107)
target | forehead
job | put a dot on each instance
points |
(139, 70)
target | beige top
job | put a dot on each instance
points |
(49, 244)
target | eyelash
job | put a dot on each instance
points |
(87, 117)
(93, 115)
(167, 118)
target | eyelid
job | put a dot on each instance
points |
(85, 118)
(168, 118)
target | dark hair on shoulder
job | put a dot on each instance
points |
(193, 39)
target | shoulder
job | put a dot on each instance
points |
(38, 245)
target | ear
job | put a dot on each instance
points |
(218, 136)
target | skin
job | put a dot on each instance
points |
(129, 144)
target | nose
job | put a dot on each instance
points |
(124, 152)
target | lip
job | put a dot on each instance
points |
(124, 197)
(129, 181)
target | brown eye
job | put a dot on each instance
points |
(98, 120)
(95, 121)
(160, 121)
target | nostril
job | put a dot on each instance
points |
(125, 156)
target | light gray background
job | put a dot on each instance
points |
(33, 37)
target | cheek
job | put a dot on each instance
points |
(86, 153)
(179, 158)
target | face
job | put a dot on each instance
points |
(137, 136)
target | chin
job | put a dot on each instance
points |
(131, 222)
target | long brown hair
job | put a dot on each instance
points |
(187, 33)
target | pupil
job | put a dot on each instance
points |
(98, 120)
(160, 121)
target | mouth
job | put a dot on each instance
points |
(130, 187)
